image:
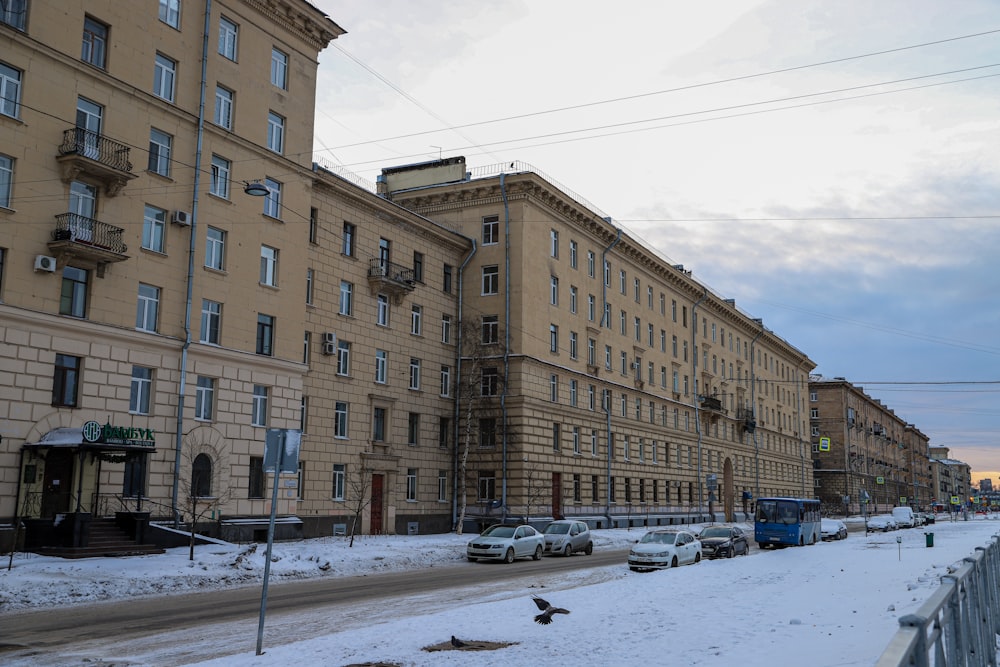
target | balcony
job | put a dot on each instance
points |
(389, 278)
(87, 153)
(712, 406)
(87, 241)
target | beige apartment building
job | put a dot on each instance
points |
(867, 458)
(151, 311)
(615, 387)
(951, 481)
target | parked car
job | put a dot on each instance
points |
(506, 542)
(659, 549)
(904, 517)
(566, 537)
(928, 517)
(723, 542)
(833, 529)
(883, 522)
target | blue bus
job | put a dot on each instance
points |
(786, 521)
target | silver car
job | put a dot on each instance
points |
(566, 537)
(503, 542)
(659, 549)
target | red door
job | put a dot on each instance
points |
(557, 495)
(376, 522)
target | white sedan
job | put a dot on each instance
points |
(883, 522)
(659, 549)
(833, 529)
(505, 542)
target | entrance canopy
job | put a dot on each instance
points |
(94, 437)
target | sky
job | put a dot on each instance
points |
(835, 604)
(830, 166)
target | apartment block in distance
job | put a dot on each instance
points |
(155, 189)
(606, 383)
(867, 458)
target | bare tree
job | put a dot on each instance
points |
(203, 490)
(359, 485)
(535, 490)
(478, 390)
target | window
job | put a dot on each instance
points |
(554, 243)
(141, 390)
(6, 180)
(556, 436)
(442, 486)
(159, 152)
(204, 398)
(10, 90)
(554, 388)
(303, 413)
(272, 202)
(148, 307)
(346, 298)
(553, 338)
(66, 381)
(164, 73)
(382, 310)
(313, 225)
(416, 320)
(446, 380)
(279, 69)
(275, 132)
(154, 222)
(95, 43)
(444, 432)
(381, 362)
(489, 381)
(339, 473)
(306, 344)
(73, 297)
(310, 283)
(572, 299)
(414, 373)
(491, 329)
(227, 38)
(255, 486)
(224, 107)
(343, 357)
(572, 254)
(573, 391)
(488, 433)
(220, 177)
(268, 266)
(590, 263)
(347, 242)
(572, 344)
(14, 13)
(134, 477)
(446, 283)
(446, 329)
(265, 334)
(411, 484)
(170, 12)
(378, 424)
(575, 438)
(413, 429)
(591, 303)
(554, 290)
(491, 279)
(215, 249)
(491, 230)
(418, 266)
(201, 476)
(211, 321)
(258, 412)
(340, 419)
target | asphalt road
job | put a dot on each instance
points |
(53, 629)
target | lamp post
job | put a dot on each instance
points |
(255, 189)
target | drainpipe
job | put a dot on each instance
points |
(458, 377)
(697, 415)
(802, 447)
(604, 323)
(506, 346)
(753, 407)
(179, 436)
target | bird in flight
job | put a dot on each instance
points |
(547, 610)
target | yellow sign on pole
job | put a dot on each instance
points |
(824, 444)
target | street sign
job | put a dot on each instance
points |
(824, 444)
(711, 481)
(902, 500)
(880, 480)
(281, 448)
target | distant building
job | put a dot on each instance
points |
(952, 479)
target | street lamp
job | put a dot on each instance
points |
(255, 189)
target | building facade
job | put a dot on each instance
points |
(951, 483)
(611, 384)
(867, 458)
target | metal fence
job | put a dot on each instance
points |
(958, 625)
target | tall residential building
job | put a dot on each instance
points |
(951, 486)
(150, 310)
(606, 383)
(867, 458)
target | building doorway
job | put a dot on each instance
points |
(57, 485)
(378, 481)
(557, 495)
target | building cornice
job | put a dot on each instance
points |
(299, 18)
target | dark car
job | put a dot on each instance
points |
(723, 542)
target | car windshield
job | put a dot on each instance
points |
(499, 531)
(658, 538)
(557, 529)
(718, 531)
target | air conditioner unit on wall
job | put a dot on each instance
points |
(329, 343)
(182, 218)
(45, 263)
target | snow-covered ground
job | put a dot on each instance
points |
(834, 604)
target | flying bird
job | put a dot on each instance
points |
(457, 643)
(547, 610)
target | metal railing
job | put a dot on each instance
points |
(958, 624)
(79, 141)
(81, 229)
(380, 268)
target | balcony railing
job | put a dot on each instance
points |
(83, 151)
(389, 277)
(87, 231)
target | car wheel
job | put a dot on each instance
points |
(472, 559)
(509, 556)
(697, 557)
(538, 553)
(731, 552)
(673, 563)
(568, 551)
(590, 548)
(634, 569)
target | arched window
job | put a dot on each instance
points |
(201, 476)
